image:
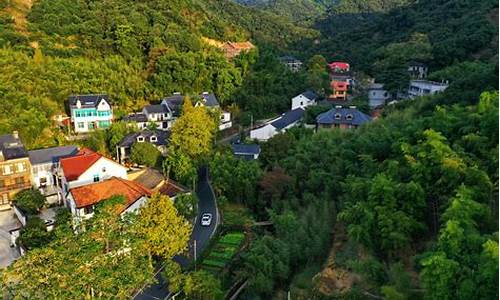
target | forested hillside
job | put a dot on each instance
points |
(135, 52)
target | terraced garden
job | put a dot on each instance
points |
(223, 251)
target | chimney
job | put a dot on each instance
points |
(15, 134)
(338, 106)
(205, 93)
(2, 158)
(352, 106)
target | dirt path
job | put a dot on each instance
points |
(19, 9)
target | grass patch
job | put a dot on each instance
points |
(223, 251)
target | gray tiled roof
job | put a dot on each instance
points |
(329, 117)
(11, 147)
(288, 118)
(51, 155)
(161, 137)
(246, 149)
(139, 117)
(310, 95)
(155, 109)
(209, 100)
(87, 100)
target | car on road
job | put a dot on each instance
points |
(206, 219)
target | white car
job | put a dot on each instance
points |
(206, 219)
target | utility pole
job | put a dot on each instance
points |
(251, 121)
(195, 255)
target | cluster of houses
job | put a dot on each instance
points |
(337, 117)
(341, 80)
(76, 178)
(419, 86)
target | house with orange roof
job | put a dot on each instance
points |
(82, 200)
(87, 167)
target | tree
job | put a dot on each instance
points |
(29, 201)
(186, 205)
(165, 233)
(202, 285)
(34, 234)
(317, 75)
(145, 154)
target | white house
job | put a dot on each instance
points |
(44, 166)
(88, 167)
(90, 112)
(377, 95)
(424, 88)
(83, 199)
(281, 124)
(210, 101)
(303, 100)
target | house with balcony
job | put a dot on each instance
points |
(339, 89)
(44, 170)
(15, 168)
(158, 138)
(87, 167)
(90, 112)
(425, 88)
(82, 200)
(291, 62)
(342, 117)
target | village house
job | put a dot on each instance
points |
(339, 67)
(417, 70)
(305, 99)
(156, 182)
(246, 151)
(82, 200)
(339, 89)
(233, 49)
(15, 168)
(291, 62)
(281, 124)
(209, 101)
(44, 166)
(340, 117)
(425, 88)
(158, 138)
(87, 167)
(90, 112)
(377, 95)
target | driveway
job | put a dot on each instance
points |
(200, 234)
(8, 221)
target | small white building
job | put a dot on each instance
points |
(90, 112)
(83, 199)
(303, 100)
(286, 121)
(86, 168)
(377, 95)
(418, 70)
(425, 88)
(44, 167)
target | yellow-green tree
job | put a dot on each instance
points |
(165, 233)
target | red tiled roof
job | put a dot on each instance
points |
(171, 188)
(75, 166)
(94, 193)
(339, 65)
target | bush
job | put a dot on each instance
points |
(34, 234)
(145, 154)
(29, 201)
(186, 205)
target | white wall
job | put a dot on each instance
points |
(263, 133)
(301, 101)
(40, 171)
(111, 169)
(377, 97)
(136, 205)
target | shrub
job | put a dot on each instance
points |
(145, 154)
(34, 234)
(29, 201)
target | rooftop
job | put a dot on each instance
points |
(12, 147)
(91, 100)
(309, 94)
(156, 108)
(161, 137)
(246, 149)
(94, 193)
(139, 117)
(348, 116)
(51, 155)
(288, 118)
(76, 165)
(172, 188)
(209, 99)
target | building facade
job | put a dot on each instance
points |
(425, 88)
(15, 168)
(377, 95)
(90, 112)
(340, 117)
(303, 100)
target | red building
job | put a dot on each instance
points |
(339, 67)
(340, 89)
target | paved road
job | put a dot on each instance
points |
(200, 234)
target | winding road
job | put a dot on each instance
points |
(200, 236)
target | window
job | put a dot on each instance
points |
(7, 170)
(43, 182)
(104, 124)
(337, 116)
(104, 113)
(153, 139)
(20, 180)
(20, 167)
(81, 125)
(140, 139)
(91, 125)
(349, 117)
(88, 209)
(301, 103)
(96, 178)
(385, 94)
(104, 169)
